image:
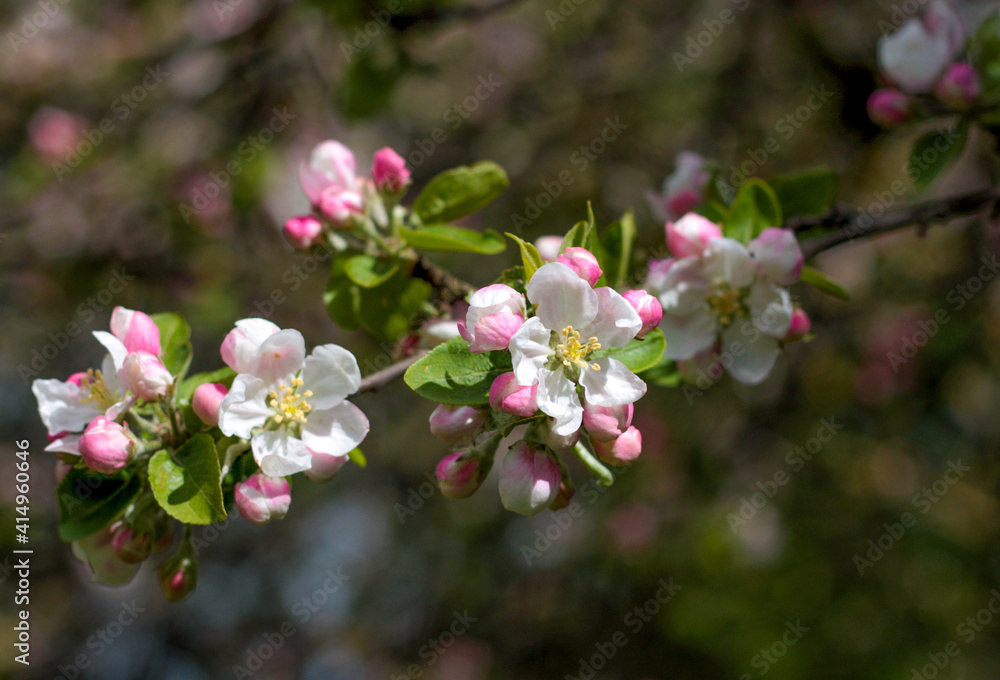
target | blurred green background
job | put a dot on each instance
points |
(461, 590)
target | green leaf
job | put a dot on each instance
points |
(342, 299)
(357, 457)
(175, 342)
(392, 310)
(754, 209)
(617, 242)
(817, 279)
(806, 193)
(934, 152)
(451, 374)
(369, 271)
(89, 501)
(529, 256)
(460, 192)
(639, 355)
(223, 375)
(446, 238)
(188, 485)
(513, 277)
(984, 47)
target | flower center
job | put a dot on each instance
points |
(95, 390)
(725, 301)
(571, 352)
(290, 405)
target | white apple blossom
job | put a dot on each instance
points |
(916, 55)
(292, 407)
(732, 293)
(554, 349)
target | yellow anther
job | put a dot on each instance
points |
(571, 352)
(725, 301)
(290, 405)
(95, 390)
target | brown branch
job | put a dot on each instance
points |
(848, 220)
(377, 381)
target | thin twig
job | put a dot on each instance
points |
(382, 378)
(848, 220)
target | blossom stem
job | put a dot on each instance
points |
(378, 380)
(847, 221)
(602, 473)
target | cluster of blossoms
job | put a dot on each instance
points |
(683, 190)
(285, 407)
(725, 302)
(339, 197)
(559, 388)
(921, 62)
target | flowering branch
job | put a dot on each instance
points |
(377, 381)
(847, 221)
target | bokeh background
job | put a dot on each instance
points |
(451, 590)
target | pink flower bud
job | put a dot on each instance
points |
(689, 236)
(206, 400)
(129, 546)
(583, 262)
(324, 466)
(960, 86)
(606, 423)
(889, 107)
(683, 190)
(529, 480)
(647, 307)
(456, 425)
(548, 247)
(239, 347)
(302, 231)
(492, 332)
(800, 326)
(508, 396)
(137, 331)
(146, 376)
(178, 576)
(622, 450)
(104, 446)
(340, 206)
(460, 475)
(261, 498)
(389, 171)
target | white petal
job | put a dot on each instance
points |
(280, 356)
(68, 444)
(60, 408)
(771, 309)
(313, 183)
(613, 385)
(115, 347)
(336, 161)
(688, 335)
(562, 297)
(778, 256)
(616, 323)
(332, 373)
(684, 288)
(753, 355)
(279, 454)
(239, 349)
(493, 300)
(110, 374)
(245, 407)
(729, 261)
(529, 350)
(557, 398)
(335, 431)
(912, 58)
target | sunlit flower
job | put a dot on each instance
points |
(495, 313)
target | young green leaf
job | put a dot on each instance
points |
(460, 192)
(89, 501)
(447, 238)
(188, 485)
(369, 271)
(451, 374)
(175, 342)
(390, 310)
(639, 355)
(342, 299)
(617, 242)
(223, 375)
(754, 209)
(935, 151)
(529, 256)
(817, 279)
(806, 193)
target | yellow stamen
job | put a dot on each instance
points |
(290, 405)
(725, 301)
(572, 352)
(95, 390)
